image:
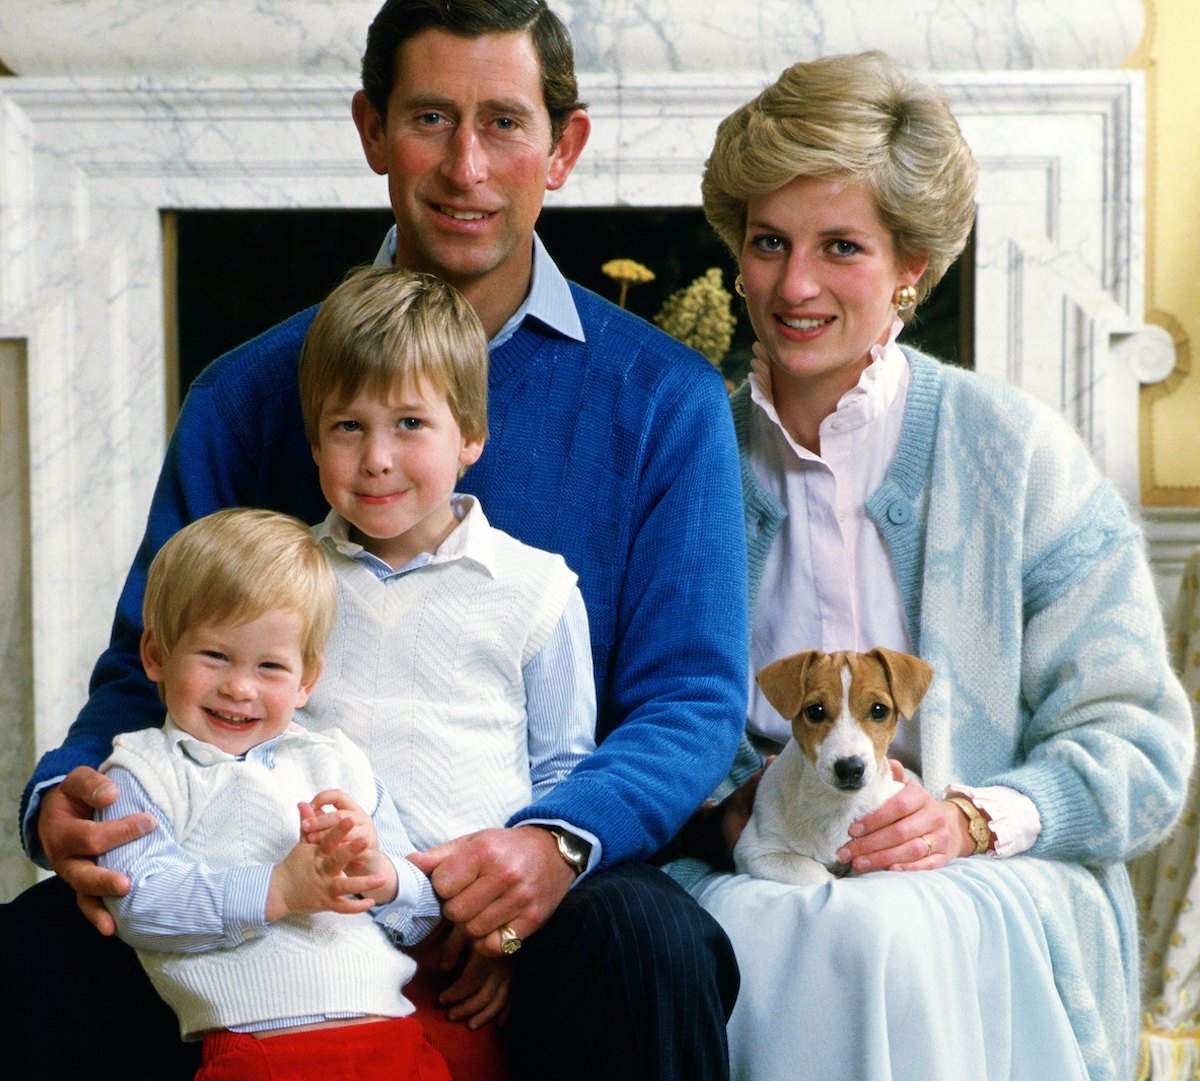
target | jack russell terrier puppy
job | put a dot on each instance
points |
(844, 708)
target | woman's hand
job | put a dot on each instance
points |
(910, 832)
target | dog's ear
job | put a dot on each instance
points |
(909, 678)
(782, 682)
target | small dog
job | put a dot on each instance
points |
(844, 708)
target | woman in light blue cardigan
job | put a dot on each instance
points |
(894, 501)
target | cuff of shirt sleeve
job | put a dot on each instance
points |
(1013, 816)
(244, 906)
(29, 834)
(416, 910)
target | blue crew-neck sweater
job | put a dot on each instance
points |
(617, 452)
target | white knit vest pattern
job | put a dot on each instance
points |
(424, 673)
(240, 813)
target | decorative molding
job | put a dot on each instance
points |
(1172, 534)
(1154, 493)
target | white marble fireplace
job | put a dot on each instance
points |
(113, 119)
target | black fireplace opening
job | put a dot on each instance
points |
(239, 272)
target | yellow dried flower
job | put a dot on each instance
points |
(626, 270)
(701, 315)
(628, 273)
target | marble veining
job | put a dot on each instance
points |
(621, 37)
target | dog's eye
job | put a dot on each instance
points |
(880, 712)
(815, 713)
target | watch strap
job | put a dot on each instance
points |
(977, 825)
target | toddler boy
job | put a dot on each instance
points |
(271, 934)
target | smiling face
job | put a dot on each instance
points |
(233, 685)
(820, 272)
(389, 466)
(466, 146)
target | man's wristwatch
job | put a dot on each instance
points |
(977, 825)
(574, 850)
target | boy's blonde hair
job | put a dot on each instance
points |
(237, 565)
(384, 328)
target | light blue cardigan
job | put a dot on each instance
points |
(1026, 588)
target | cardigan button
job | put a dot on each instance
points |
(899, 511)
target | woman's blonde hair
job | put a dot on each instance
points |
(862, 119)
(234, 566)
(385, 327)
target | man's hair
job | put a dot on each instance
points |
(386, 328)
(856, 118)
(235, 566)
(399, 20)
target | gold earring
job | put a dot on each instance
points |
(739, 286)
(905, 297)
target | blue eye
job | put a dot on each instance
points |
(844, 247)
(410, 424)
(768, 243)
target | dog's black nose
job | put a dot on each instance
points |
(849, 772)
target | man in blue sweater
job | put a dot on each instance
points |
(610, 443)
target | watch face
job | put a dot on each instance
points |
(574, 850)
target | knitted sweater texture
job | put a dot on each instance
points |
(424, 673)
(240, 813)
(616, 452)
(1026, 587)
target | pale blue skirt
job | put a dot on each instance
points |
(916, 976)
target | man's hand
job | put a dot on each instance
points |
(498, 878)
(713, 831)
(72, 840)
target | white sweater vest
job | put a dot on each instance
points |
(424, 673)
(239, 813)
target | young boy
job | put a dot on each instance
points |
(272, 937)
(460, 661)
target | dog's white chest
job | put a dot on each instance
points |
(799, 822)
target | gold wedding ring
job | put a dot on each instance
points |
(509, 942)
(928, 846)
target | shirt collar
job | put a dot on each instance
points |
(867, 400)
(549, 299)
(471, 539)
(205, 754)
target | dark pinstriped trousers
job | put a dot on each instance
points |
(630, 980)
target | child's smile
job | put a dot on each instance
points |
(389, 466)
